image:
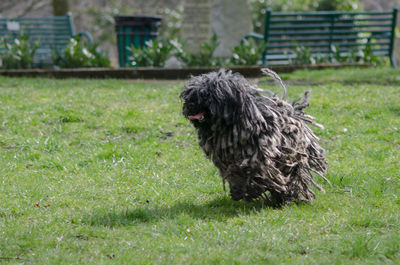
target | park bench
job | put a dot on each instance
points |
(50, 32)
(323, 33)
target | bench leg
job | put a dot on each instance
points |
(264, 58)
(392, 62)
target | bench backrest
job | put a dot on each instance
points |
(320, 31)
(50, 32)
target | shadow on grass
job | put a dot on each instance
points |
(219, 209)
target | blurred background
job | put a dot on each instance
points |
(96, 16)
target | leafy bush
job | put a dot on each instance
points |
(204, 57)
(302, 56)
(79, 54)
(155, 53)
(355, 55)
(321, 59)
(338, 5)
(368, 56)
(19, 54)
(247, 53)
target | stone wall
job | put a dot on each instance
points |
(196, 26)
(231, 20)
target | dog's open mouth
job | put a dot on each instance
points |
(199, 117)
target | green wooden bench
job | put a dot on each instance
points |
(50, 32)
(324, 33)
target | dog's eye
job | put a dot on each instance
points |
(204, 94)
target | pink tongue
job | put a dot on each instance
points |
(196, 117)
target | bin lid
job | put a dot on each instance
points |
(137, 18)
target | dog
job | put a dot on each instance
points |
(261, 145)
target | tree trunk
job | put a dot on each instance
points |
(60, 7)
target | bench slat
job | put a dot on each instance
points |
(328, 20)
(37, 18)
(27, 23)
(321, 52)
(37, 28)
(325, 32)
(326, 44)
(332, 38)
(319, 13)
(299, 26)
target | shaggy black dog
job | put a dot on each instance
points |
(260, 144)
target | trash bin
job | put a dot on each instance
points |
(134, 30)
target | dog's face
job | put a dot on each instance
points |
(196, 105)
(212, 98)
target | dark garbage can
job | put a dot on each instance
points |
(134, 30)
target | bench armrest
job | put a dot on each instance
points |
(86, 35)
(254, 36)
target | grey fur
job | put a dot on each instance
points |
(261, 145)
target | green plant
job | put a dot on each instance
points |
(204, 57)
(18, 54)
(369, 57)
(338, 56)
(321, 58)
(302, 56)
(356, 55)
(353, 55)
(338, 5)
(155, 53)
(247, 53)
(79, 54)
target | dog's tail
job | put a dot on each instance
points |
(276, 77)
(297, 107)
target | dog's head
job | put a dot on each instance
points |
(214, 98)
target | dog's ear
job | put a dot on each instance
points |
(223, 102)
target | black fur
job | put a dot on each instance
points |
(261, 145)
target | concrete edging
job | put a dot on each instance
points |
(161, 73)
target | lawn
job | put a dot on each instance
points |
(109, 172)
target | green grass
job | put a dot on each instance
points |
(108, 172)
(350, 75)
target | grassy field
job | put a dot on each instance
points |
(108, 172)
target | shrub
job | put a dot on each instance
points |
(338, 5)
(204, 57)
(19, 54)
(355, 55)
(79, 54)
(369, 57)
(155, 53)
(302, 56)
(247, 53)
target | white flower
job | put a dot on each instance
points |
(87, 53)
